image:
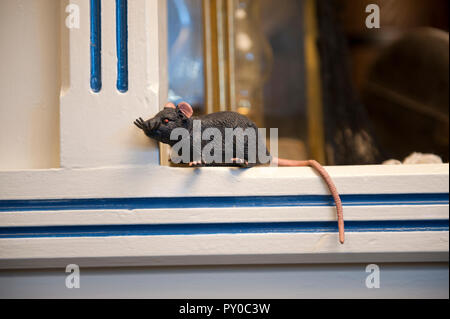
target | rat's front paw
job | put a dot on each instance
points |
(196, 163)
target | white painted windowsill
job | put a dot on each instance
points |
(222, 248)
(163, 181)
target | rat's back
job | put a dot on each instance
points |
(227, 119)
(232, 120)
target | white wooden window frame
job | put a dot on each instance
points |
(104, 156)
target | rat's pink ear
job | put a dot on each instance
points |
(170, 106)
(186, 109)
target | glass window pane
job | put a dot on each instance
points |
(186, 75)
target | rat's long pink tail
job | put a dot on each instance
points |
(319, 168)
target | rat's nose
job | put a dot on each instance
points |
(153, 125)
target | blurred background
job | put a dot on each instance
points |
(337, 91)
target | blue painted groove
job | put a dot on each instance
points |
(122, 44)
(221, 202)
(96, 45)
(221, 228)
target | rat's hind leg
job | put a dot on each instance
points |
(240, 162)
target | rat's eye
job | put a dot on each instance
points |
(166, 121)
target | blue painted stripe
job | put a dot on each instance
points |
(96, 45)
(222, 228)
(221, 202)
(122, 44)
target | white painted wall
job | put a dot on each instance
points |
(414, 280)
(49, 117)
(29, 84)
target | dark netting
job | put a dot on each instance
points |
(348, 136)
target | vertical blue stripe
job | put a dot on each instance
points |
(122, 45)
(96, 46)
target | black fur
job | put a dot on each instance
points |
(156, 128)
